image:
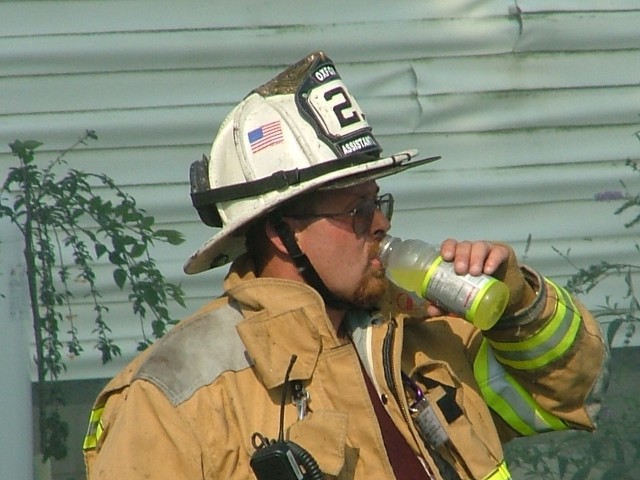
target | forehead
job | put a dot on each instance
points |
(348, 194)
(365, 189)
(330, 200)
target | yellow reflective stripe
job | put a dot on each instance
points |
(502, 473)
(509, 399)
(548, 344)
(548, 330)
(95, 429)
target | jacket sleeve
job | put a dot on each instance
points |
(546, 367)
(135, 433)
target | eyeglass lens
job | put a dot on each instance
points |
(363, 213)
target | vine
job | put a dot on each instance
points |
(67, 228)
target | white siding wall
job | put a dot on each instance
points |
(534, 106)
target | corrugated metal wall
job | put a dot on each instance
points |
(534, 106)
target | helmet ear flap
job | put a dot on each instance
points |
(210, 216)
(199, 179)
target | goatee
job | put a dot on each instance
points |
(373, 283)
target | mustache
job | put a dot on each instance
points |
(374, 250)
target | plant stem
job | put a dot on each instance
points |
(32, 273)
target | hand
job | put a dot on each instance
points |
(495, 259)
(476, 257)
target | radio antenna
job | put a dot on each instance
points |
(285, 388)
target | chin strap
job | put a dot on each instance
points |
(303, 263)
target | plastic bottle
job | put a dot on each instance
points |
(418, 267)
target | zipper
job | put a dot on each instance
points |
(389, 374)
(390, 378)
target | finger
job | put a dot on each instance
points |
(463, 254)
(434, 311)
(475, 257)
(466, 256)
(497, 255)
(448, 249)
(478, 255)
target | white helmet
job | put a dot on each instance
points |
(298, 132)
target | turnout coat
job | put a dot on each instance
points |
(189, 406)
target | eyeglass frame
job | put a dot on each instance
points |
(383, 203)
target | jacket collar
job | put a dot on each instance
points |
(282, 318)
(286, 317)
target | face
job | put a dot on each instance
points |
(345, 260)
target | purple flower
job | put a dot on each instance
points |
(609, 195)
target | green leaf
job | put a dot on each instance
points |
(147, 222)
(171, 236)
(100, 249)
(6, 212)
(150, 295)
(116, 258)
(23, 150)
(120, 277)
(138, 250)
(175, 291)
(91, 134)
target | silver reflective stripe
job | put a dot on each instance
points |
(195, 354)
(509, 399)
(548, 344)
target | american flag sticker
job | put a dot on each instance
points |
(265, 136)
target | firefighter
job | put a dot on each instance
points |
(312, 364)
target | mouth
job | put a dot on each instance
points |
(374, 260)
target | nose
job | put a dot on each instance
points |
(380, 225)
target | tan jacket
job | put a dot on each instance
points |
(188, 407)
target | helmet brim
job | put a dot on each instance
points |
(229, 243)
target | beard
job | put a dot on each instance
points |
(373, 284)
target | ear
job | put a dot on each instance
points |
(274, 238)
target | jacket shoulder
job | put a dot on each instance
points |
(195, 353)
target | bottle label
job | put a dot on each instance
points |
(429, 426)
(459, 294)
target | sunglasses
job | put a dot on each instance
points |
(361, 215)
